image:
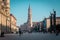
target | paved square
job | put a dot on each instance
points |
(31, 36)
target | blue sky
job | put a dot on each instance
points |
(40, 9)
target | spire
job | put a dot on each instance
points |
(29, 6)
(29, 3)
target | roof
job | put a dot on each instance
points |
(56, 17)
(13, 16)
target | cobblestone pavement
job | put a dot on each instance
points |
(31, 36)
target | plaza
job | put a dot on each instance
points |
(31, 36)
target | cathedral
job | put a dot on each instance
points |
(28, 25)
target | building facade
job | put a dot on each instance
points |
(13, 23)
(5, 16)
(47, 22)
(24, 27)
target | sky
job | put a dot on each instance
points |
(40, 9)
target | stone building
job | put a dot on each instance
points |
(47, 22)
(17, 28)
(24, 27)
(5, 16)
(13, 23)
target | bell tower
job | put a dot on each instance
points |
(29, 18)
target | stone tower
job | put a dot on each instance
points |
(29, 18)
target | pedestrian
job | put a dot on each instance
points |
(19, 32)
(57, 32)
(2, 34)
